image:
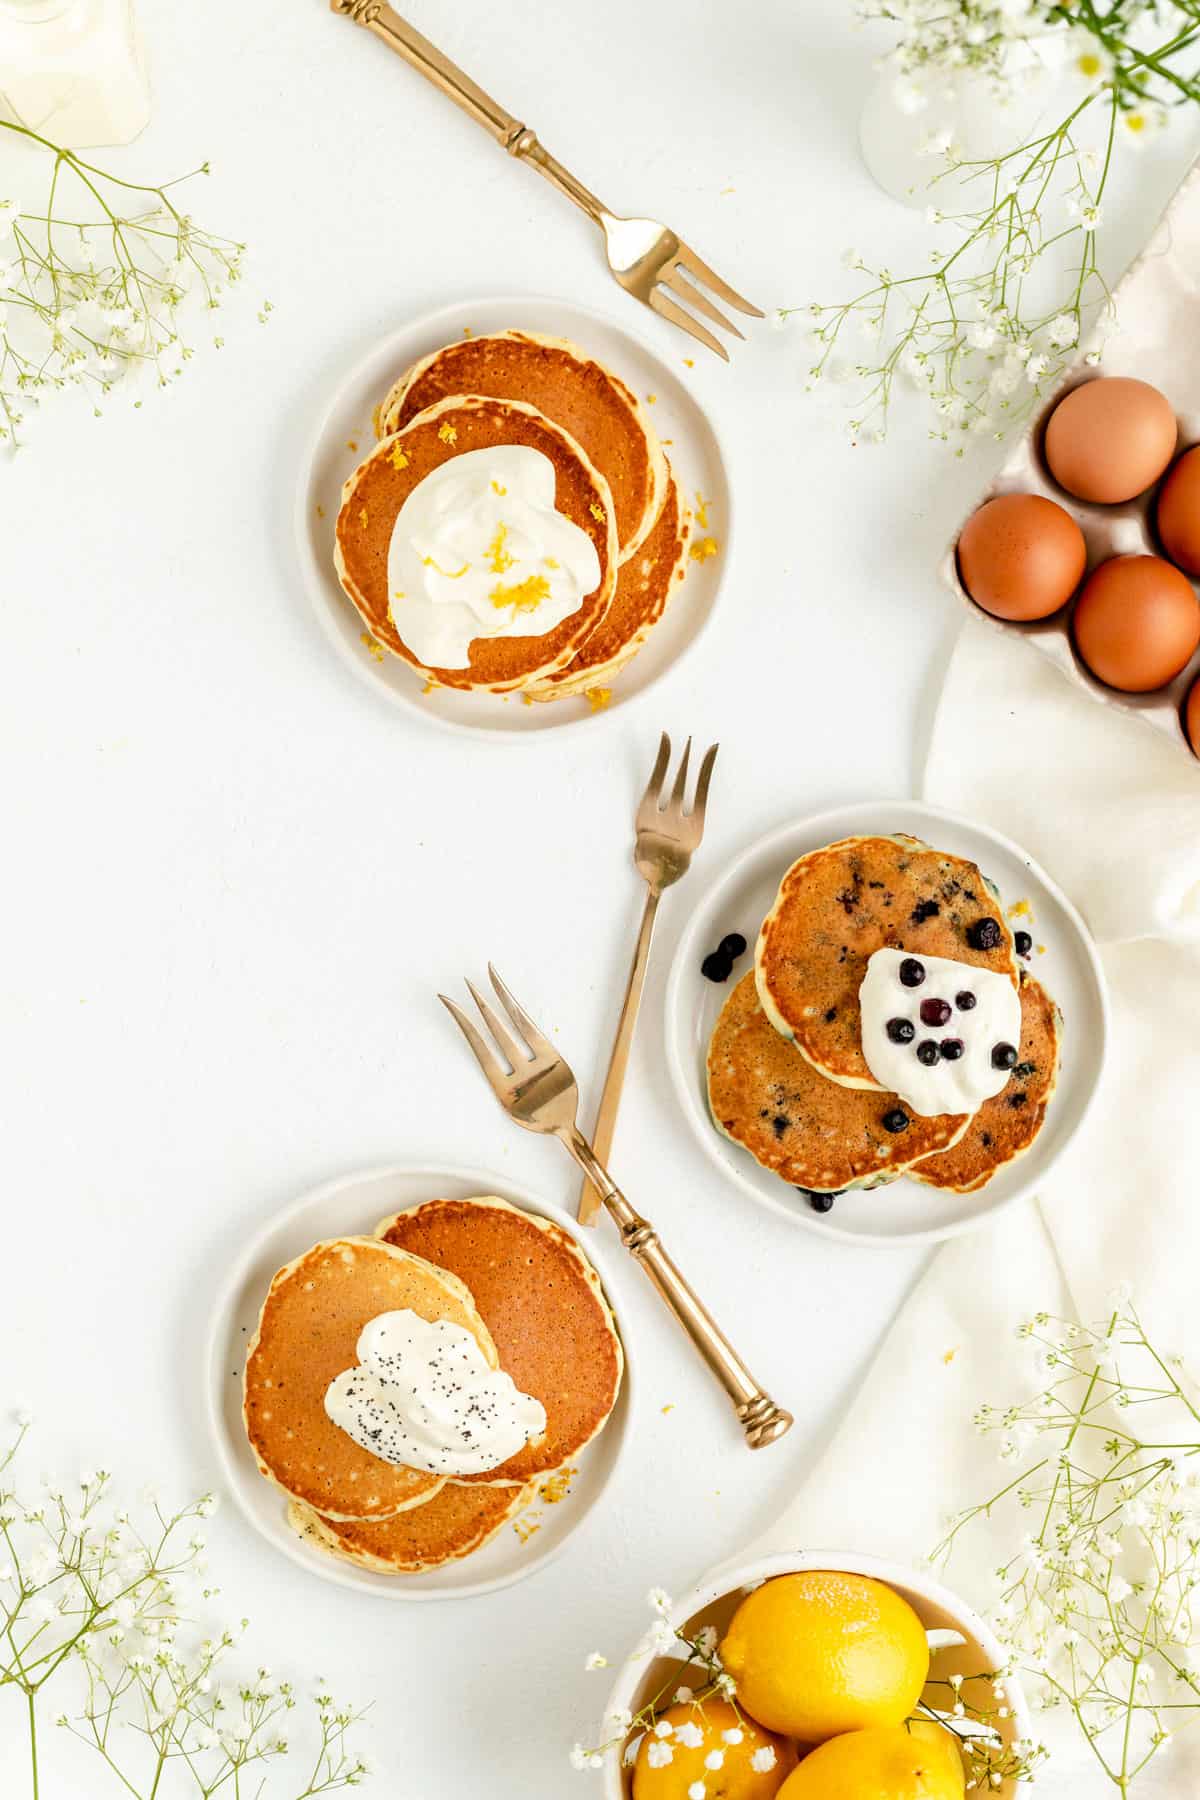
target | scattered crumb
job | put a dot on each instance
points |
(651, 399)
(429, 687)
(701, 511)
(375, 649)
(556, 1487)
(467, 332)
(320, 512)
(397, 458)
(526, 1528)
(670, 440)
(729, 190)
(528, 700)
(950, 1355)
(689, 362)
(670, 1406)
(1041, 949)
(447, 433)
(702, 549)
(1020, 909)
(351, 444)
(598, 698)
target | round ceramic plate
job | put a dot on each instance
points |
(905, 1212)
(354, 1206)
(691, 444)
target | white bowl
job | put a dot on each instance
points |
(353, 1206)
(904, 1212)
(692, 446)
(714, 1600)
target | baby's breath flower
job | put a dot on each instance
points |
(596, 1661)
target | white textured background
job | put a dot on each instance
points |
(233, 880)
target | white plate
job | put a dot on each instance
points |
(351, 1207)
(695, 457)
(905, 1212)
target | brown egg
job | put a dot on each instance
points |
(1179, 512)
(1021, 557)
(1137, 623)
(1110, 439)
(1191, 715)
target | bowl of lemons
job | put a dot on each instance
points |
(822, 1676)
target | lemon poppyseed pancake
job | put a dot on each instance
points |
(568, 386)
(457, 1521)
(543, 1305)
(1005, 1126)
(812, 1133)
(307, 1334)
(646, 581)
(836, 907)
(500, 649)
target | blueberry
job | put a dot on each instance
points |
(984, 934)
(927, 1052)
(951, 1048)
(821, 1203)
(964, 1001)
(733, 946)
(935, 1012)
(901, 1031)
(895, 1120)
(925, 909)
(1023, 942)
(912, 972)
(1003, 1056)
(716, 967)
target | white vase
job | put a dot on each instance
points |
(73, 70)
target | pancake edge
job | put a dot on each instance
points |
(311, 1525)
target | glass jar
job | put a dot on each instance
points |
(73, 71)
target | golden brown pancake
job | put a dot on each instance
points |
(568, 386)
(812, 1133)
(836, 907)
(457, 1521)
(378, 488)
(307, 1333)
(542, 1302)
(1006, 1125)
(645, 582)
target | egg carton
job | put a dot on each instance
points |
(1156, 338)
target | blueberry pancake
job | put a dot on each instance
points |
(552, 1327)
(456, 1522)
(836, 907)
(570, 387)
(1004, 1127)
(812, 1133)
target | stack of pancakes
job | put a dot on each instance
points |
(612, 479)
(534, 1304)
(787, 1078)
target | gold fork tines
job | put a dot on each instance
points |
(643, 255)
(536, 1088)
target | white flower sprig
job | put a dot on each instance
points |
(1100, 1606)
(92, 280)
(93, 1624)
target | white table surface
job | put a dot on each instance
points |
(234, 879)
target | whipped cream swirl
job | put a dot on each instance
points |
(424, 1396)
(478, 550)
(942, 1034)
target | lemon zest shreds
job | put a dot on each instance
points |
(525, 596)
(431, 562)
(397, 458)
(702, 549)
(447, 433)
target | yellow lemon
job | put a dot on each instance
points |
(823, 1652)
(919, 1761)
(709, 1743)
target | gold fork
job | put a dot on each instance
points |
(644, 256)
(536, 1088)
(666, 838)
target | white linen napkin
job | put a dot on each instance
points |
(1113, 814)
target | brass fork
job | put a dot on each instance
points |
(644, 256)
(536, 1088)
(666, 838)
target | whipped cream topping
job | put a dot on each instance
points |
(424, 1395)
(478, 550)
(943, 1034)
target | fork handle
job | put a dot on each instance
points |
(761, 1420)
(387, 25)
(590, 1199)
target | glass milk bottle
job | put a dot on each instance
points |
(72, 70)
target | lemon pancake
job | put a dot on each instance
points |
(1005, 1126)
(836, 907)
(307, 1334)
(457, 1521)
(543, 1305)
(571, 388)
(646, 581)
(492, 618)
(812, 1133)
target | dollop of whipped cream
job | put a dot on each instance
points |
(943, 1034)
(424, 1395)
(478, 550)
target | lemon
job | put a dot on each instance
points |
(919, 1761)
(698, 1732)
(823, 1652)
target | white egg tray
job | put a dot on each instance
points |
(1155, 337)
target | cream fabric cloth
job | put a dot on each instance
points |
(1113, 814)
